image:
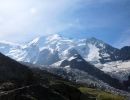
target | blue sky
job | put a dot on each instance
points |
(108, 20)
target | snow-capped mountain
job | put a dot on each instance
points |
(92, 50)
(118, 69)
(53, 49)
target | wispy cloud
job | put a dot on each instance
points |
(22, 16)
(124, 39)
(30, 16)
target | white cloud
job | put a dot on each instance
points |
(124, 39)
(23, 17)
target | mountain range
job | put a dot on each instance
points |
(87, 61)
(52, 49)
(21, 82)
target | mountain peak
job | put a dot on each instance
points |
(55, 35)
(35, 40)
(52, 37)
(94, 40)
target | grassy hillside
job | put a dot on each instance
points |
(100, 95)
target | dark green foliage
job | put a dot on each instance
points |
(13, 71)
(34, 92)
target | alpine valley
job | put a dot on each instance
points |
(88, 67)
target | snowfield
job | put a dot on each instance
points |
(118, 69)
